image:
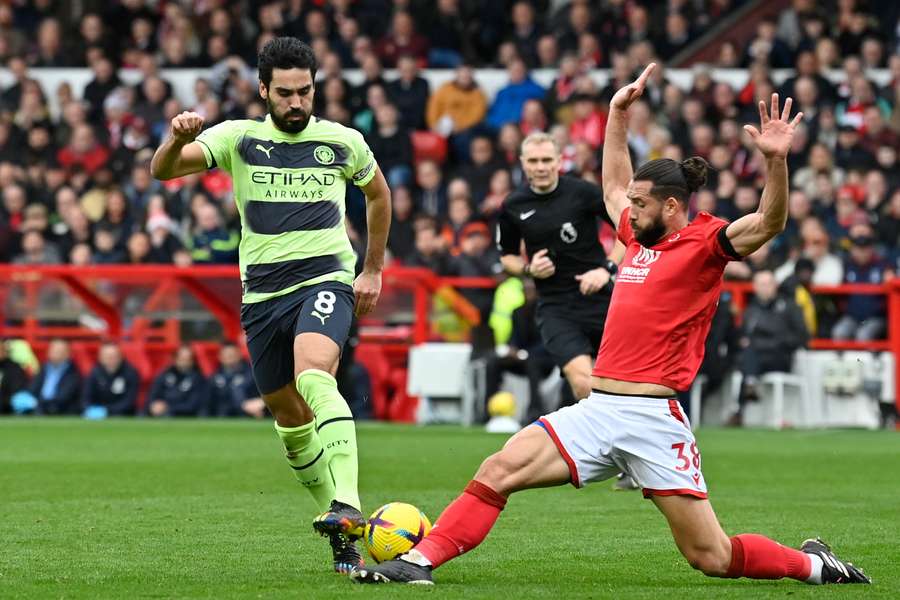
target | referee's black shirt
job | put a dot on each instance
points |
(565, 222)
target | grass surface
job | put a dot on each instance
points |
(208, 509)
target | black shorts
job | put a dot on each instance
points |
(570, 329)
(272, 325)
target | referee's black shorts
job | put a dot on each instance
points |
(573, 326)
(272, 325)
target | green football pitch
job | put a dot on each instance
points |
(209, 509)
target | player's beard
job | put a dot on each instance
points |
(284, 124)
(649, 236)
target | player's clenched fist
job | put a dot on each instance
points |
(186, 126)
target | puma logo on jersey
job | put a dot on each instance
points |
(525, 215)
(266, 150)
(320, 316)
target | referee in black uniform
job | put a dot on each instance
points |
(558, 219)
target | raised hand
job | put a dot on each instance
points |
(186, 126)
(773, 138)
(625, 96)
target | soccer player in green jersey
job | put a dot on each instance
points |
(290, 173)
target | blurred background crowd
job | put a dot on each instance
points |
(76, 186)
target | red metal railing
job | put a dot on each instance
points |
(217, 290)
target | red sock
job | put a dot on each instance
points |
(463, 525)
(758, 557)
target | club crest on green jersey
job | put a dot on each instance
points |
(324, 155)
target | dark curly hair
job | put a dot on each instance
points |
(674, 179)
(285, 53)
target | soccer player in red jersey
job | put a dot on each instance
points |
(663, 302)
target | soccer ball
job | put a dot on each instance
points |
(501, 404)
(394, 529)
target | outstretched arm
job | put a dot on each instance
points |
(773, 139)
(616, 162)
(180, 154)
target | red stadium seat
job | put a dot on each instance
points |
(402, 408)
(428, 145)
(373, 359)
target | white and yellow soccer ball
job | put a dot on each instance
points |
(394, 529)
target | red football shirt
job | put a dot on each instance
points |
(663, 303)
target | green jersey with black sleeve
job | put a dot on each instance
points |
(289, 189)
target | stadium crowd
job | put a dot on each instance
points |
(76, 186)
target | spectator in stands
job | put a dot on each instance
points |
(808, 69)
(578, 22)
(767, 48)
(95, 92)
(401, 238)
(448, 41)
(498, 189)
(13, 209)
(364, 120)
(459, 213)
(480, 167)
(117, 217)
(390, 142)
(430, 248)
(799, 287)
(232, 391)
(547, 52)
(533, 117)
(509, 142)
(179, 391)
(864, 319)
(525, 32)
(476, 258)
(432, 195)
(373, 75)
(889, 223)
(507, 105)
(139, 251)
(37, 251)
(92, 34)
(12, 378)
(111, 388)
(163, 239)
(35, 218)
(409, 93)
(57, 387)
(402, 40)
(49, 51)
(815, 245)
(821, 162)
(83, 152)
(876, 131)
(106, 247)
(212, 242)
(455, 110)
(771, 331)
(849, 152)
(677, 35)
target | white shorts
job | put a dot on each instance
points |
(648, 438)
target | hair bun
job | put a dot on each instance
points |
(695, 170)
